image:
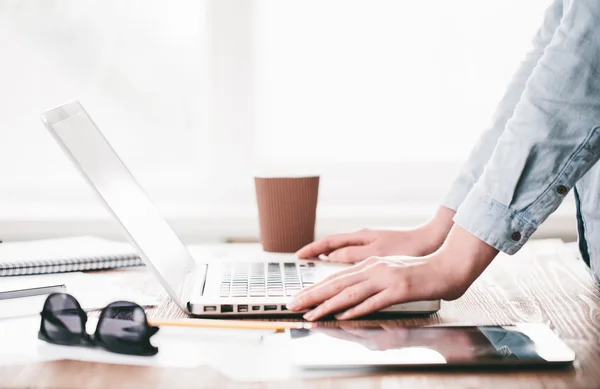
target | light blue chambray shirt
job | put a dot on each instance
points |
(544, 140)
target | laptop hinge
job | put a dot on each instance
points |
(193, 286)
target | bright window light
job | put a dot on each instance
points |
(384, 97)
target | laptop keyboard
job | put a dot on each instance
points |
(272, 279)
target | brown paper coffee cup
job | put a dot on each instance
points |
(286, 211)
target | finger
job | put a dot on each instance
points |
(346, 298)
(324, 291)
(315, 294)
(330, 243)
(351, 254)
(312, 287)
(333, 276)
(372, 304)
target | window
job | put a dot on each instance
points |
(139, 68)
(384, 98)
(393, 92)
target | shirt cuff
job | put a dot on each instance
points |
(492, 222)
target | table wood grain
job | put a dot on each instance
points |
(543, 283)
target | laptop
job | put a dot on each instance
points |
(197, 286)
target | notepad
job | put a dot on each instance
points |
(65, 255)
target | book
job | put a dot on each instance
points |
(62, 255)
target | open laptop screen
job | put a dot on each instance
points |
(158, 245)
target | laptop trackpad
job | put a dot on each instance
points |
(325, 269)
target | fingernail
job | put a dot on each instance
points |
(292, 305)
(309, 315)
(341, 316)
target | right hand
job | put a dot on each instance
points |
(356, 246)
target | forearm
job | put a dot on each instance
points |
(435, 231)
(462, 258)
(481, 153)
(551, 141)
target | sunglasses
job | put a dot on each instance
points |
(122, 327)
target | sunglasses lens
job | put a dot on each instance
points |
(63, 322)
(123, 328)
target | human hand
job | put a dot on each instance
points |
(357, 246)
(371, 285)
(380, 282)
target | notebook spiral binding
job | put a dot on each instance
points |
(64, 265)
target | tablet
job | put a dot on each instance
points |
(433, 346)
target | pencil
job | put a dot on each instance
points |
(239, 324)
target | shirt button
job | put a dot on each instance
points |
(516, 236)
(562, 190)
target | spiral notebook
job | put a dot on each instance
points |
(65, 255)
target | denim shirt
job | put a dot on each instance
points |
(544, 140)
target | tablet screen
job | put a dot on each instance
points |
(438, 345)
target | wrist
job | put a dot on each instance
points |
(434, 233)
(465, 254)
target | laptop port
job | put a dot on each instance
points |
(226, 308)
(256, 308)
(284, 308)
(210, 308)
(270, 307)
(242, 308)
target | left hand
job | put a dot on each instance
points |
(374, 284)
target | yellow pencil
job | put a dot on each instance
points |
(239, 324)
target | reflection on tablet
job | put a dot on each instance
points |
(450, 345)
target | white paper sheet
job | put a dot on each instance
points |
(18, 341)
(93, 291)
(270, 361)
(178, 346)
(36, 281)
(22, 306)
(240, 355)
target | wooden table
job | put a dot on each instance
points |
(543, 283)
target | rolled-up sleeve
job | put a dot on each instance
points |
(552, 139)
(481, 153)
